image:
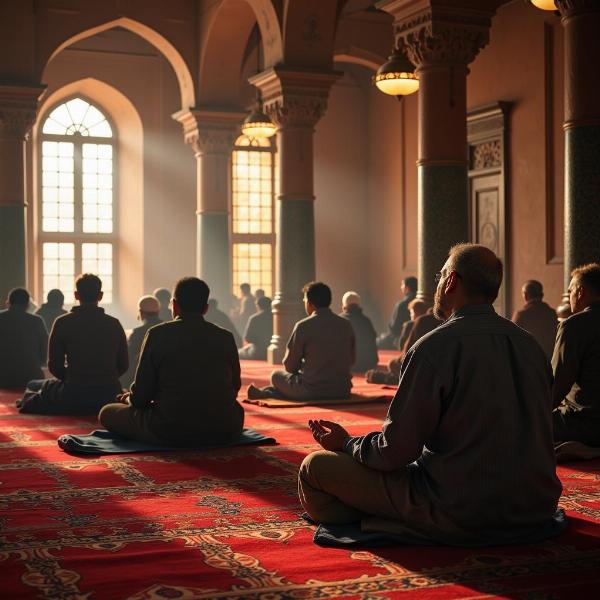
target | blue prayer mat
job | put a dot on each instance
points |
(105, 442)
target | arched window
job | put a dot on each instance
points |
(253, 213)
(76, 223)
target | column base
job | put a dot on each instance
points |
(286, 314)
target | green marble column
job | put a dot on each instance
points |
(213, 262)
(13, 272)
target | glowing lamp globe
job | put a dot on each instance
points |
(396, 77)
(258, 125)
(544, 4)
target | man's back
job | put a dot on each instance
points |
(220, 318)
(189, 369)
(259, 329)
(576, 364)
(326, 343)
(540, 320)
(50, 314)
(134, 346)
(473, 408)
(94, 345)
(23, 347)
(365, 336)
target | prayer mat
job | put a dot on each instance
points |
(105, 442)
(225, 523)
(575, 451)
(285, 403)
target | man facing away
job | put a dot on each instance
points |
(87, 354)
(576, 362)
(148, 311)
(364, 333)
(389, 340)
(259, 331)
(52, 308)
(320, 353)
(163, 295)
(187, 380)
(537, 317)
(465, 455)
(247, 306)
(23, 342)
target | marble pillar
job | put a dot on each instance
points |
(295, 100)
(441, 41)
(18, 108)
(211, 134)
(581, 23)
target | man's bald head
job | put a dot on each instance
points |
(533, 290)
(479, 270)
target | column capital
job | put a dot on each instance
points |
(441, 32)
(294, 97)
(209, 131)
(573, 8)
(18, 110)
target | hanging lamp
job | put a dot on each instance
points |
(544, 4)
(396, 77)
(257, 124)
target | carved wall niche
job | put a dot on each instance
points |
(488, 171)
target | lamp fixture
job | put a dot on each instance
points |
(544, 4)
(396, 77)
(257, 124)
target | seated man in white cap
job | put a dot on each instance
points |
(149, 309)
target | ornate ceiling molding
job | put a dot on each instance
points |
(18, 110)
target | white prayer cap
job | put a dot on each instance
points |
(350, 298)
(149, 304)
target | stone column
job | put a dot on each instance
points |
(18, 108)
(211, 135)
(295, 100)
(581, 23)
(441, 41)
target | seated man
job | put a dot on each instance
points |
(576, 362)
(364, 333)
(465, 455)
(218, 317)
(163, 295)
(320, 354)
(259, 331)
(246, 308)
(537, 317)
(23, 342)
(52, 308)
(149, 309)
(416, 309)
(187, 380)
(87, 354)
(389, 340)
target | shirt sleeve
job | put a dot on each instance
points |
(143, 389)
(57, 352)
(42, 341)
(565, 362)
(412, 418)
(236, 375)
(292, 361)
(122, 352)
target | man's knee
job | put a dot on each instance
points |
(318, 464)
(108, 415)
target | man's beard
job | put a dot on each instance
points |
(438, 311)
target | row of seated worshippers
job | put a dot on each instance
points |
(430, 473)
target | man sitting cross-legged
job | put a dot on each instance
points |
(187, 380)
(320, 354)
(87, 353)
(576, 365)
(465, 455)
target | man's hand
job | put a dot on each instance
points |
(123, 398)
(328, 434)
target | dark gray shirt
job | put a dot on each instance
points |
(322, 349)
(473, 409)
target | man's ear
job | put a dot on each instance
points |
(76, 293)
(205, 309)
(100, 296)
(451, 282)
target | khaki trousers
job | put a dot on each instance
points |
(129, 422)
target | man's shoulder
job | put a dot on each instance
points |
(585, 321)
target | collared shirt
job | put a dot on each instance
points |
(473, 409)
(576, 364)
(322, 349)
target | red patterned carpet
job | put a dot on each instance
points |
(225, 524)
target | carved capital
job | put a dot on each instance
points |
(572, 8)
(210, 131)
(294, 98)
(18, 110)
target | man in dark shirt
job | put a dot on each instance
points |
(576, 362)
(52, 308)
(149, 308)
(320, 354)
(187, 380)
(389, 340)
(465, 456)
(537, 317)
(220, 318)
(259, 331)
(364, 333)
(23, 342)
(87, 354)
(247, 307)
